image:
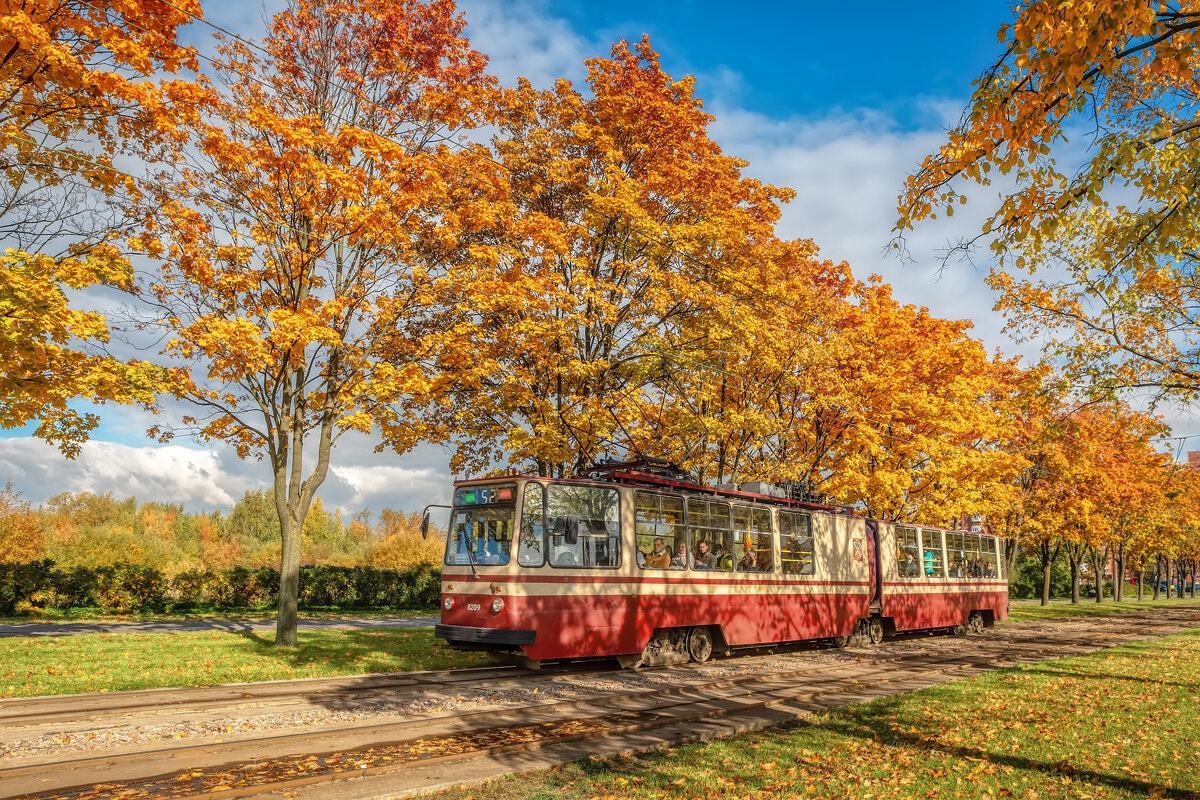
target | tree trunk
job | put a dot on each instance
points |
(1047, 563)
(1119, 574)
(289, 585)
(1011, 550)
(1074, 557)
(1099, 559)
(293, 497)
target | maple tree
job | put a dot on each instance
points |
(302, 234)
(1092, 117)
(623, 229)
(74, 92)
(917, 425)
(743, 375)
(1030, 397)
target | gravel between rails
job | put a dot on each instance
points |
(40, 743)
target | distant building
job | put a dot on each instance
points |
(1194, 459)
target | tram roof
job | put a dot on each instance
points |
(637, 478)
(634, 477)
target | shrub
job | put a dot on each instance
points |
(124, 588)
(26, 585)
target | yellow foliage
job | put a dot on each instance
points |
(73, 71)
(21, 537)
(1098, 260)
(401, 545)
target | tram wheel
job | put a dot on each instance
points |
(841, 641)
(875, 630)
(975, 622)
(700, 644)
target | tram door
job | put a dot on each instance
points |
(873, 559)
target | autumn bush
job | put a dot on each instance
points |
(126, 588)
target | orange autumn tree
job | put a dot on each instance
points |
(745, 376)
(299, 246)
(628, 229)
(1092, 117)
(906, 421)
(835, 386)
(75, 91)
(1140, 476)
(1029, 399)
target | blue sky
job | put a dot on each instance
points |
(803, 58)
(838, 102)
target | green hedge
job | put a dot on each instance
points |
(130, 587)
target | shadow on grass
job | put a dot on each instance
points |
(872, 728)
(876, 729)
(381, 650)
(1050, 672)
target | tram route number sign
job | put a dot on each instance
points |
(858, 549)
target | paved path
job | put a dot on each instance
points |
(68, 628)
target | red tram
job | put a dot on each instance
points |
(643, 566)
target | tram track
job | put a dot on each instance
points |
(17, 712)
(98, 707)
(291, 761)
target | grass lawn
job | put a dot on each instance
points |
(1024, 610)
(51, 615)
(1124, 723)
(37, 665)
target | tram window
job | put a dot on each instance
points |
(907, 553)
(956, 556)
(752, 539)
(931, 554)
(709, 537)
(796, 543)
(974, 562)
(989, 561)
(480, 536)
(658, 528)
(531, 546)
(584, 526)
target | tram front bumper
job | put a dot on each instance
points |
(467, 637)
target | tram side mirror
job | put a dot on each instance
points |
(425, 516)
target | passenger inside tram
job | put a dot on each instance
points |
(704, 555)
(660, 556)
(681, 559)
(749, 562)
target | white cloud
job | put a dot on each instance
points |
(213, 477)
(170, 474)
(847, 170)
(390, 486)
(521, 39)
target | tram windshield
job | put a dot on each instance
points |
(481, 526)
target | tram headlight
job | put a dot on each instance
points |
(448, 603)
(497, 605)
